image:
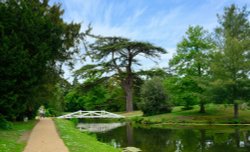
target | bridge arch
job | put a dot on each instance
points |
(91, 114)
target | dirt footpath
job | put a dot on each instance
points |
(44, 138)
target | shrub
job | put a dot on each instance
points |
(137, 119)
(4, 124)
(234, 121)
(52, 112)
(187, 108)
(154, 98)
(75, 121)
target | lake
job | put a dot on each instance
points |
(172, 139)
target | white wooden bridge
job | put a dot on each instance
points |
(91, 114)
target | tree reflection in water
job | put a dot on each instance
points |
(180, 140)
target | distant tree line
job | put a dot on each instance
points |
(208, 67)
(36, 42)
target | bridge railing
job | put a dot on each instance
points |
(91, 114)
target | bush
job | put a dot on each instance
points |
(154, 98)
(137, 120)
(187, 108)
(52, 112)
(4, 124)
(234, 121)
(75, 121)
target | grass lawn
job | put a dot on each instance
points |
(130, 114)
(12, 140)
(215, 114)
(77, 141)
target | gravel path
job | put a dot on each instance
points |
(44, 138)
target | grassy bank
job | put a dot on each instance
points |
(80, 142)
(14, 140)
(215, 114)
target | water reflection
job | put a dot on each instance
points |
(99, 127)
(179, 140)
(129, 134)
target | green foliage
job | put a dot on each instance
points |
(137, 119)
(94, 98)
(192, 61)
(75, 121)
(154, 72)
(73, 101)
(34, 40)
(116, 57)
(181, 91)
(4, 124)
(138, 82)
(235, 121)
(154, 98)
(52, 94)
(50, 112)
(231, 64)
(192, 58)
(104, 96)
(215, 114)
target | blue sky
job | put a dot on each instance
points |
(161, 22)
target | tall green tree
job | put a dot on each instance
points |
(192, 60)
(116, 57)
(34, 40)
(231, 64)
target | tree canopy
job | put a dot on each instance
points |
(192, 62)
(34, 40)
(116, 57)
(231, 63)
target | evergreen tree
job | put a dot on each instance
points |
(231, 65)
(115, 57)
(34, 40)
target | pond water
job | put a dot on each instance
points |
(174, 139)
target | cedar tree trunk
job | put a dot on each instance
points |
(128, 88)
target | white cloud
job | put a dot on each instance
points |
(137, 20)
